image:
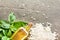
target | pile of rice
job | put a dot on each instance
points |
(39, 32)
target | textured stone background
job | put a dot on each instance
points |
(33, 10)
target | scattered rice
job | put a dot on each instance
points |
(39, 32)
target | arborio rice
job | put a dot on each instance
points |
(39, 32)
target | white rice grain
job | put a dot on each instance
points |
(39, 32)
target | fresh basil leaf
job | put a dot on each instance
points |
(1, 35)
(4, 32)
(1, 29)
(5, 25)
(13, 28)
(19, 24)
(11, 17)
(9, 33)
(5, 38)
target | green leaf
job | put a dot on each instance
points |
(1, 35)
(5, 38)
(11, 17)
(1, 29)
(12, 28)
(9, 33)
(19, 24)
(5, 25)
(4, 32)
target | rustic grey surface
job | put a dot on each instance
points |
(33, 10)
